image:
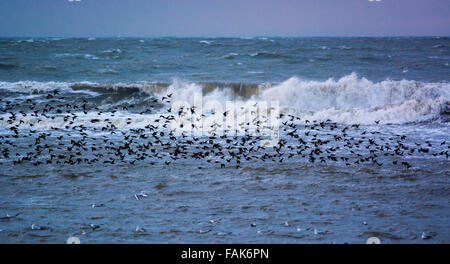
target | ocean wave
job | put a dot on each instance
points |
(350, 99)
(25, 40)
(438, 46)
(205, 42)
(33, 86)
(230, 55)
(357, 100)
(28, 87)
(343, 47)
(181, 89)
(76, 55)
(113, 51)
(210, 43)
(107, 71)
(266, 55)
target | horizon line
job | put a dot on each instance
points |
(254, 36)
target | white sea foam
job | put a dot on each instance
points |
(76, 55)
(357, 100)
(350, 99)
(34, 86)
(187, 90)
(112, 51)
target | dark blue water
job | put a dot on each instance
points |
(86, 147)
(252, 60)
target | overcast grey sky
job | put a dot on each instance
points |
(214, 18)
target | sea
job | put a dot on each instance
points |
(361, 150)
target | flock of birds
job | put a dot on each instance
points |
(313, 141)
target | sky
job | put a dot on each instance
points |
(223, 18)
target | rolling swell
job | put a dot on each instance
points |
(244, 90)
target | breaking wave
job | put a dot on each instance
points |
(357, 100)
(350, 99)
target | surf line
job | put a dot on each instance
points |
(198, 254)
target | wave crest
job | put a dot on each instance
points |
(350, 99)
(357, 100)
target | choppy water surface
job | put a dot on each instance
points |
(86, 150)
